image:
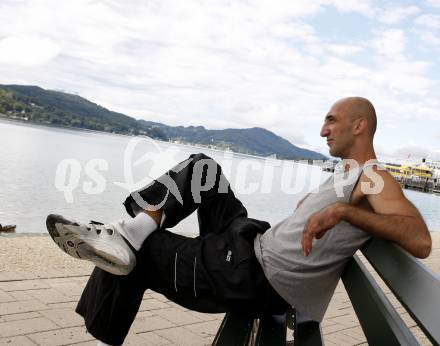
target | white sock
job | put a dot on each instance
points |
(136, 230)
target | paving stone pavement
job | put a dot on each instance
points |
(37, 308)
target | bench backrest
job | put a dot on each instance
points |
(414, 285)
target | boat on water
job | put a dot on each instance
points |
(396, 169)
(7, 228)
(418, 171)
(418, 176)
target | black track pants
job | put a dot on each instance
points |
(214, 272)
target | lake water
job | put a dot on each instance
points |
(86, 176)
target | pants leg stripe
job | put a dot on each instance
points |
(195, 264)
(175, 272)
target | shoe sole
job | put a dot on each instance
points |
(73, 245)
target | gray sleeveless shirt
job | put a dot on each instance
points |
(308, 283)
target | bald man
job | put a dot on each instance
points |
(238, 263)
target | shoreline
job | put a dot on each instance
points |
(71, 128)
(190, 145)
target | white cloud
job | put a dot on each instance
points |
(294, 30)
(343, 49)
(27, 51)
(411, 152)
(434, 154)
(428, 29)
(364, 7)
(394, 15)
(430, 38)
(431, 21)
(434, 3)
(391, 43)
(269, 12)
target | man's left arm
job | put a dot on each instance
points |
(393, 217)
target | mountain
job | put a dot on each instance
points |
(254, 140)
(50, 107)
(34, 104)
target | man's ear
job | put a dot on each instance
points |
(360, 125)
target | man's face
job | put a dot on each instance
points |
(337, 129)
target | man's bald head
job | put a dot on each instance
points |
(349, 126)
(359, 107)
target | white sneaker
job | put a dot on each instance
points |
(96, 242)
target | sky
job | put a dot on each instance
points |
(274, 64)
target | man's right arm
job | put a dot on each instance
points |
(393, 218)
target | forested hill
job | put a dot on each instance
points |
(254, 140)
(62, 109)
(37, 105)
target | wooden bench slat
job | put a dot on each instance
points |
(271, 331)
(414, 285)
(381, 324)
(235, 330)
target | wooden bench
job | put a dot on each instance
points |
(411, 282)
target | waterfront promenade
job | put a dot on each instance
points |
(40, 285)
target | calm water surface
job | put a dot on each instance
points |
(100, 165)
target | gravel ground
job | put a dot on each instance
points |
(36, 253)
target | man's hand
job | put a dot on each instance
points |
(318, 224)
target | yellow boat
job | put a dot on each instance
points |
(396, 170)
(406, 171)
(422, 171)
